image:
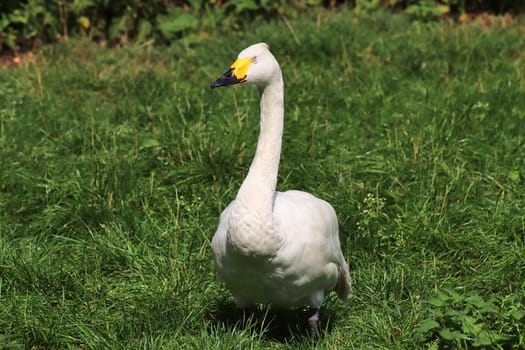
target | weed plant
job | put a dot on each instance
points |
(115, 165)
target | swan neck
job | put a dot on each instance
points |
(258, 189)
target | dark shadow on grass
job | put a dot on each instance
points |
(277, 325)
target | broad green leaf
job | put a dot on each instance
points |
(193, 38)
(4, 22)
(513, 175)
(454, 314)
(427, 325)
(482, 339)
(184, 21)
(470, 325)
(476, 301)
(517, 314)
(486, 338)
(456, 297)
(438, 302)
(147, 143)
(18, 17)
(241, 5)
(447, 334)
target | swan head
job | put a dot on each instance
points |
(255, 64)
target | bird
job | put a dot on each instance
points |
(276, 248)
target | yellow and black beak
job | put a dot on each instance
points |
(236, 74)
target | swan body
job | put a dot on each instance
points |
(278, 248)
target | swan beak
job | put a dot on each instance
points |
(226, 79)
(236, 74)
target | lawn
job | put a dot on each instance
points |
(116, 163)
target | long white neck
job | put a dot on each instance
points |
(258, 189)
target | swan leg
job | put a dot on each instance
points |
(312, 324)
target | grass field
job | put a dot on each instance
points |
(116, 163)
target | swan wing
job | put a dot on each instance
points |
(312, 252)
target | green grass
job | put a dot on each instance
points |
(115, 165)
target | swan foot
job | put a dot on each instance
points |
(312, 324)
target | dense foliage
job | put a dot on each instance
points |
(26, 23)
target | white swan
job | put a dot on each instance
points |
(279, 248)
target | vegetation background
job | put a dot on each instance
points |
(117, 158)
(27, 23)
